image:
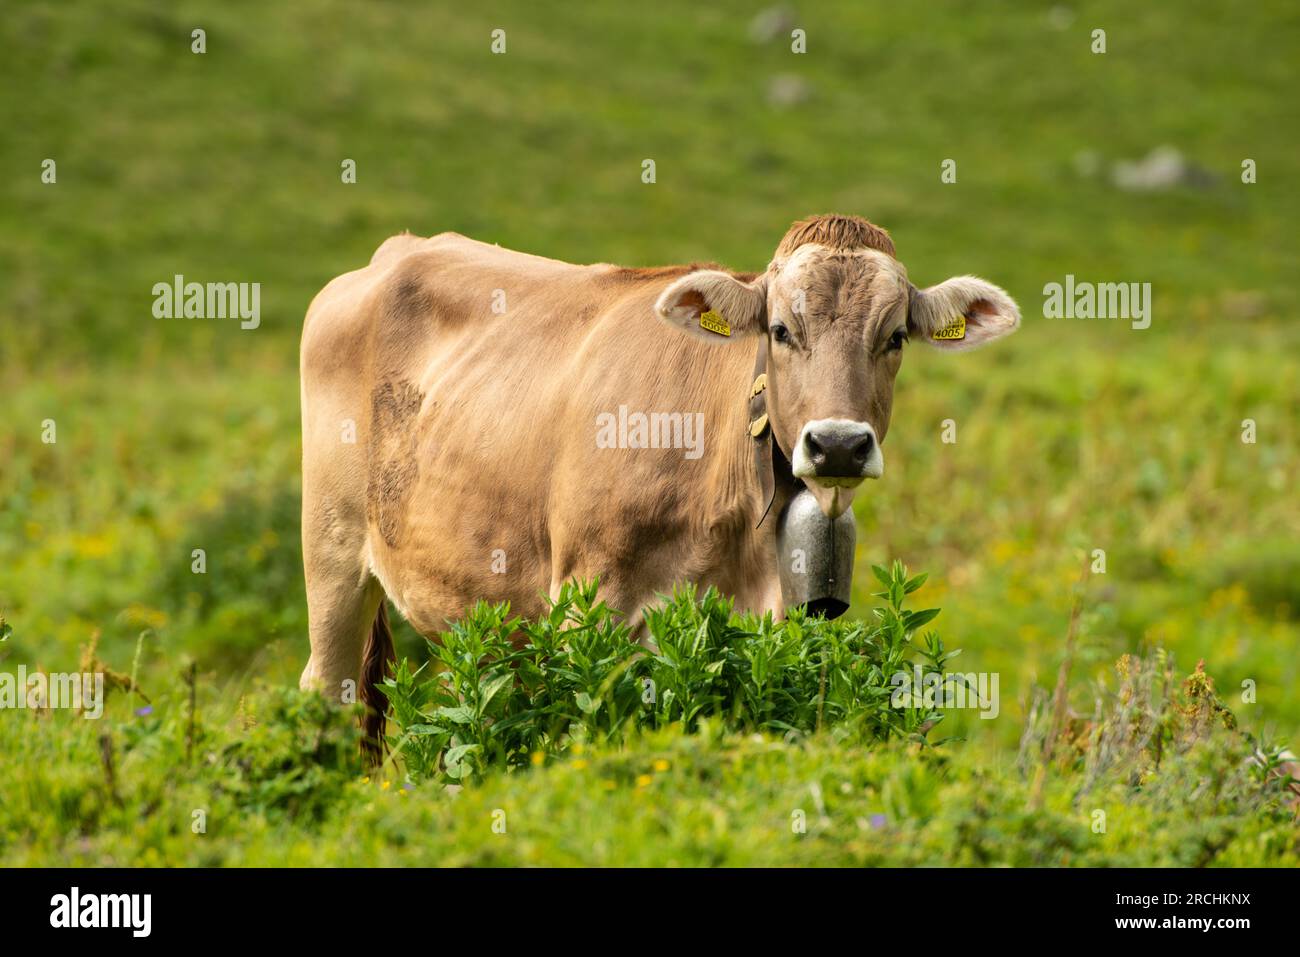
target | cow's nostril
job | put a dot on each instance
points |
(862, 451)
(815, 451)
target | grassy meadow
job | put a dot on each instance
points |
(1073, 435)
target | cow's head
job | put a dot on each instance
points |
(837, 309)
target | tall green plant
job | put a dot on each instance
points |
(506, 691)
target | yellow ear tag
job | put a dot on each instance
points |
(715, 323)
(954, 330)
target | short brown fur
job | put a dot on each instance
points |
(837, 233)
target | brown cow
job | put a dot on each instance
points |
(482, 423)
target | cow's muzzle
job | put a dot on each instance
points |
(838, 452)
(832, 457)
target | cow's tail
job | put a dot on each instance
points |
(374, 668)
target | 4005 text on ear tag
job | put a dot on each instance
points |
(954, 330)
(714, 322)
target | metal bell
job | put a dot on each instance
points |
(815, 556)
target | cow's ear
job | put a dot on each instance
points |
(715, 306)
(961, 313)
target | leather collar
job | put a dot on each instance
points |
(770, 464)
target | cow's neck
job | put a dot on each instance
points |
(753, 477)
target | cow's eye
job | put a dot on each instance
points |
(780, 333)
(896, 341)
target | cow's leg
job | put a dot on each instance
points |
(342, 602)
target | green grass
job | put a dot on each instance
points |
(1157, 776)
(1072, 435)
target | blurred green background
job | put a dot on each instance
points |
(1072, 435)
